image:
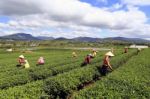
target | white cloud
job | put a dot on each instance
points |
(67, 17)
(117, 6)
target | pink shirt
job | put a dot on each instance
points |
(41, 61)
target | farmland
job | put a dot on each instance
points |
(131, 80)
(63, 77)
(74, 49)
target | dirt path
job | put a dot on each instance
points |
(88, 48)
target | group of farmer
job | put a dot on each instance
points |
(24, 62)
(106, 66)
(106, 61)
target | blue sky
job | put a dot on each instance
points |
(73, 18)
(109, 3)
(146, 10)
(4, 19)
(101, 3)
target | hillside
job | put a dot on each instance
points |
(29, 37)
(19, 36)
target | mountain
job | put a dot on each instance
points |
(45, 38)
(134, 40)
(62, 38)
(86, 39)
(19, 36)
(27, 37)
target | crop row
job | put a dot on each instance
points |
(14, 70)
(10, 69)
(64, 85)
(9, 63)
(34, 92)
(131, 81)
(39, 73)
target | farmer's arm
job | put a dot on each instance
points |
(108, 62)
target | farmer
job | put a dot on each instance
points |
(126, 49)
(74, 54)
(26, 65)
(21, 61)
(87, 60)
(106, 63)
(94, 52)
(40, 61)
(138, 50)
(112, 50)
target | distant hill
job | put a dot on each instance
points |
(89, 39)
(24, 36)
(134, 40)
(45, 38)
(19, 36)
(86, 39)
(62, 38)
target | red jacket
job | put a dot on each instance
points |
(87, 59)
(21, 61)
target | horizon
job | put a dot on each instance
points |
(76, 18)
(75, 37)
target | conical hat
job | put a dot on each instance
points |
(21, 56)
(90, 54)
(109, 54)
(41, 57)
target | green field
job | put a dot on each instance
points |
(62, 77)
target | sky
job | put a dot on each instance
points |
(76, 18)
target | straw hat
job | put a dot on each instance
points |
(109, 54)
(21, 56)
(89, 54)
(41, 57)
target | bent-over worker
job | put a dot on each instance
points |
(106, 63)
(26, 65)
(126, 50)
(21, 61)
(74, 54)
(87, 60)
(138, 50)
(40, 61)
(94, 53)
(112, 50)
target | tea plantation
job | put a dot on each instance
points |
(63, 77)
